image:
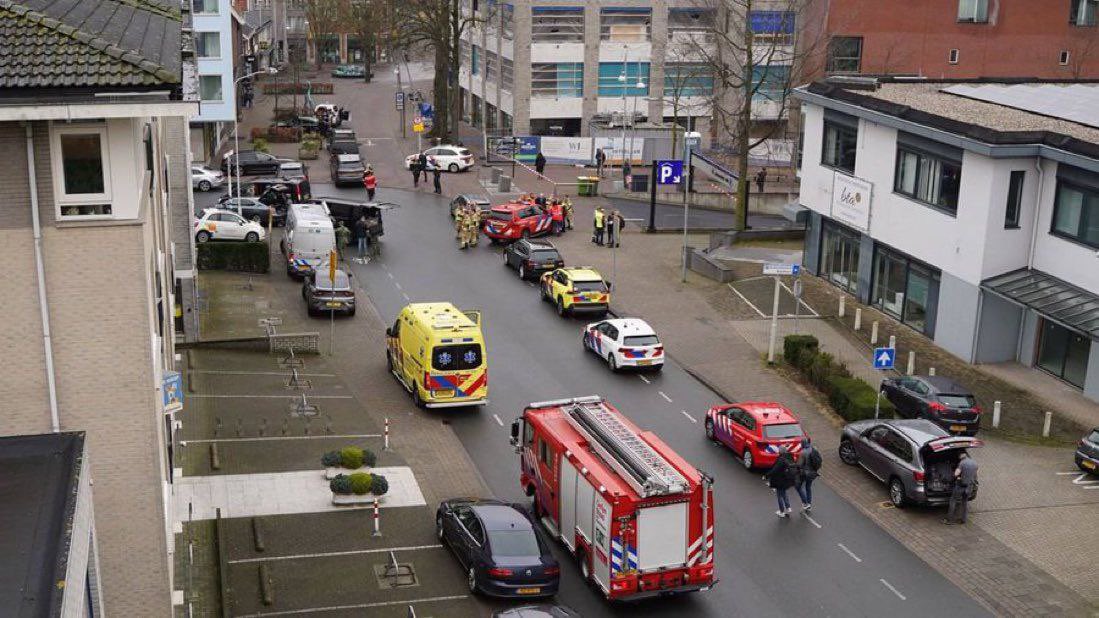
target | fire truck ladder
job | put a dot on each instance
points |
(643, 468)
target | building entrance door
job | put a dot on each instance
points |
(840, 258)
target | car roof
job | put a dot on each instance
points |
(536, 611)
(210, 211)
(342, 279)
(944, 384)
(918, 430)
(349, 158)
(510, 207)
(632, 326)
(498, 516)
(768, 412)
(582, 273)
(538, 243)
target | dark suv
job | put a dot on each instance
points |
(1087, 452)
(251, 162)
(936, 398)
(531, 258)
(346, 169)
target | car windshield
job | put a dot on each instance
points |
(499, 215)
(589, 286)
(785, 430)
(544, 255)
(512, 543)
(456, 357)
(1093, 436)
(957, 401)
(641, 340)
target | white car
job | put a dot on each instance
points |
(445, 157)
(625, 342)
(204, 178)
(217, 224)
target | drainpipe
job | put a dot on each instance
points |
(43, 302)
(1030, 256)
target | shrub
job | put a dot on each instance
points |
(852, 398)
(369, 458)
(330, 459)
(283, 135)
(259, 144)
(247, 257)
(361, 482)
(351, 457)
(798, 349)
(855, 400)
(379, 486)
(341, 484)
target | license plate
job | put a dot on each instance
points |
(644, 362)
(529, 590)
(333, 305)
(1090, 465)
(957, 428)
(549, 264)
(443, 393)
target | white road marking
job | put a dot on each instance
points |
(644, 379)
(273, 438)
(260, 373)
(666, 398)
(800, 302)
(390, 275)
(498, 421)
(287, 396)
(849, 552)
(689, 417)
(336, 608)
(893, 590)
(334, 553)
(406, 298)
(398, 284)
(811, 520)
(745, 299)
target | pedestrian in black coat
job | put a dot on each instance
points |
(781, 478)
(437, 175)
(540, 163)
(423, 165)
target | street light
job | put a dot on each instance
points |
(236, 131)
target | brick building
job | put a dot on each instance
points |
(94, 104)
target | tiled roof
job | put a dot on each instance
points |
(89, 43)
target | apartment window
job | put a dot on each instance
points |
(474, 61)
(557, 24)
(1063, 58)
(973, 11)
(845, 54)
(209, 88)
(772, 27)
(208, 44)
(1084, 12)
(841, 136)
(687, 79)
(507, 74)
(611, 84)
(81, 169)
(557, 80)
(209, 7)
(929, 173)
(464, 54)
(770, 82)
(690, 21)
(507, 21)
(952, 57)
(1014, 199)
(490, 66)
(625, 25)
(1076, 213)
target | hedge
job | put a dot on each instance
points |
(246, 257)
(379, 486)
(361, 482)
(351, 457)
(851, 397)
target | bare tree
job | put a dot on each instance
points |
(366, 18)
(322, 16)
(1084, 55)
(684, 84)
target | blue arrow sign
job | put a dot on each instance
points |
(669, 172)
(884, 357)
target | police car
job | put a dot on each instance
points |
(625, 342)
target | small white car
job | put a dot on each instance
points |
(204, 178)
(625, 342)
(445, 157)
(217, 224)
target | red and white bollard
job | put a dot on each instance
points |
(377, 529)
(386, 446)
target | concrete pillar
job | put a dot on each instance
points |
(656, 63)
(591, 66)
(520, 118)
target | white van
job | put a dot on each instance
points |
(309, 239)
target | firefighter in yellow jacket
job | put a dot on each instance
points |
(472, 227)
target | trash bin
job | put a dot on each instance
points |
(639, 182)
(504, 185)
(593, 186)
(583, 186)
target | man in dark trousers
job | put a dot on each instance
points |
(423, 165)
(436, 176)
(360, 234)
(808, 469)
(761, 178)
(781, 478)
(600, 160)
(965, 478)
(414, 167)
(540, 164)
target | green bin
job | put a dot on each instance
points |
(583, 186)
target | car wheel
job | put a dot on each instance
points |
(522, 272)
(747, 459)
(560, 307)
(896, 492)
(202, 236)
(612, 362)
(389, 361)
(471, 581)
(848, 454)
(251, 237)
(542, 291)
(453, 168)
(351, 313)
(585, 567)
(204, 186)
(416, 399)
(710, 431)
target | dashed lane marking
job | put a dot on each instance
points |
(689, 417)
(398, 284)
(644, 379)
(406, 298)
(811, 520)
(352, 552)
(666, 398)
(390, 275)
(849, 552)
(893, 590)
(498, 421)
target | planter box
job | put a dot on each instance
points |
(330, 473)
(307, 153)
(345, 499)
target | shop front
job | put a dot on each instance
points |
(905, 289)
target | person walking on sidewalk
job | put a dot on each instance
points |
(597, 234)
(423, 165)
(808, 469)
(965, 478)
(343, 237)
(781, 478)
(370, 181)
(540, 164)
(600, 161)
(437, 175)
(415, 168)
(360, 233)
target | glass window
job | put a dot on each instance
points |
(973, 10)
(210, 7)
(641, 340)
(688, 79)
(456, 357)
(1076, 213)
(840, 257)
(889, 283)
(897, 446)
(589, 286)
(557, 25)
(611, 84)
(209, 88)
(476, 530)
(557, 80)
(1014, 199)
(772, 27)
(513, 543)
(904, 289)
(507, 74)
(690, 20)
(770, 82)
(1084, 12)
(958, 401)
(490, 66)
(840, 144)
(845, 54)
(625, 25)
(474, 60)
(916, 297)
(82, 163)
(545, 454)
(208, 44)
(1064, 353)
(785, 430)
(928, 178)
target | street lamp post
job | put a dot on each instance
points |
(400, 88)
(236, 131)
(622, 81)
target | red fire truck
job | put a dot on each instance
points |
(636, 515)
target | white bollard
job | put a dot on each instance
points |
(911, 362)
(996, 406)
(931, 371)
(1046, 423)
(843, 305)
(377, 524)
(874, 333)
(858, 319)
(893, 341)
(386, 447)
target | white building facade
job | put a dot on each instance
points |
(972, 222)
(215, 53)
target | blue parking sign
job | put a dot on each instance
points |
(669, 172)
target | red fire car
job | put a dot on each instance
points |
(516, 220)
(755, 430)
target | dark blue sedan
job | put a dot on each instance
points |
(499, 547)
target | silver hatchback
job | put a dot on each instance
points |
(914, 457)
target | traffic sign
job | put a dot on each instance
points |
(669, 172)
(884, 357)
(418, 127)
(778, 268)
(400, 101)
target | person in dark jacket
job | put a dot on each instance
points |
(600, 161)
(808, 469)
(781, 478)
(360, 234)
(414, 167)
(423, 165)
(436, 175)
(540, 163)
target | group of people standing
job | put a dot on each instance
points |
(798, 473)
(467, 225)
(421, 166)
(362, 232)
(608, 227)
(558, 208)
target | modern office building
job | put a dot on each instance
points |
(968, 211)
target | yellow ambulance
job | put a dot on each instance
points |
(437, 352)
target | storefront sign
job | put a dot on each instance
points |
(172, 391)
(851, 201)
(569, 150)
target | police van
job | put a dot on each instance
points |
(437, 352)
(309, 239)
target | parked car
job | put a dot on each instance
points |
(468, 199)
(530, 258)
(204, 178)
(346, 169)
(915, 458)
(1087, 452)
(252, 209)
(251, 162)
(445, 157)
(349, 70)
(273, 190)
(515, 220)
(625, 342)
(217, 224)
(536, 611)
(576, 290)
(499, 546)
(342, 141)
(755, 431)
(322, 297)
(289, 168)
(936, 398)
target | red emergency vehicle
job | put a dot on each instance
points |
(636, 515)
(516, 220)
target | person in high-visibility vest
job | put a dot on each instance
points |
(597, 237)
(568, 213)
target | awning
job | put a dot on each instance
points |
(1058, 300)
